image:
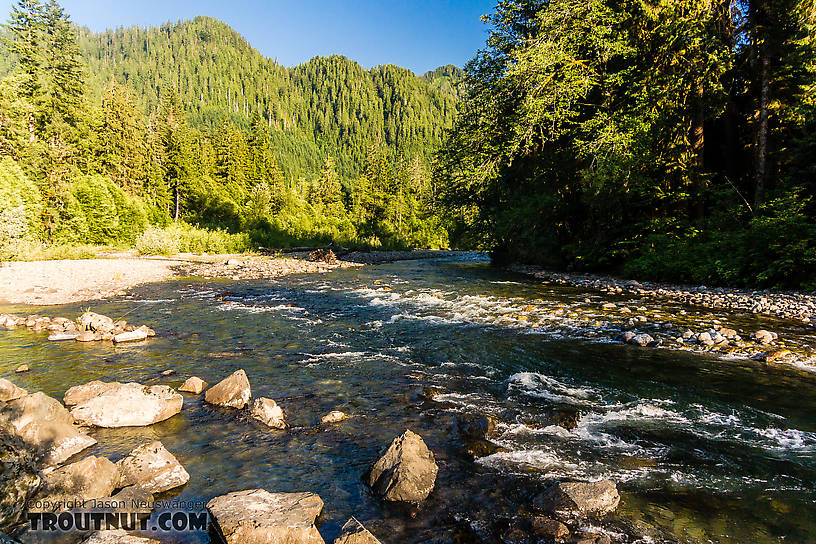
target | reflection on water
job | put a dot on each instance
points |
(704, 449)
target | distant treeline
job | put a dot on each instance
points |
(671, 140)
(103, 134)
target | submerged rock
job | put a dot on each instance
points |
(151, 468)
(91, 478)
(585, 498)
(641, 340)
(257, 516)
(9, 391)
(335, 416)
(193, 385)
(406, 472)
(765, 337)
(62, 336)
(116, 404)
(353, 532)
(269, 413)
(233, 391)
(477, 427)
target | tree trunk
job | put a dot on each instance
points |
(176, 196)
(762, 130)
(698, 147)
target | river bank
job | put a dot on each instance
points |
(112, 274)
(785, 305)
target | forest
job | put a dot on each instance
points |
(183, 137)
(664, 140)
(670, 140)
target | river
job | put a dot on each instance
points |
(703, 449)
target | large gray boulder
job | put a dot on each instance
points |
(583, 498)
(19, 480)
(257, 516)
(123, 405)
(353, 532)
(151, 468)
(9, 391)
(232, 392)
(90, 478)
(406, 472)
(45, 426)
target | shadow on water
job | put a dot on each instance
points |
(704, 449)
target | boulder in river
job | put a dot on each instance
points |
(9, 391)
(584, 498)
(233, 391)
(353, 532)
(193, 385)
(335, 416)
(19, 480)
(151, 468)
(62, 336)
(549, 529)
(89, 336)
(406, 472)
(45, 426)
(92, 321)
(268, 412)
(90, 478)
(124, 405)
(476, 427)
(257, 516)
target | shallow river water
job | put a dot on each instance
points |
(703, 449)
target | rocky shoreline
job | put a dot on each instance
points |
(784, 305)
(42, 439)
(641, 315)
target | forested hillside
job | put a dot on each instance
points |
(188, 122)
(671, 140)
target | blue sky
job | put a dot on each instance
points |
(416, 34)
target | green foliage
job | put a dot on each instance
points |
(184, 238)
(630, 137)
(109, 213)
(20, 204)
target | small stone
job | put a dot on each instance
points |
(22, 368)
(585, 498)
(765, 337)
(168, 372)
(641, 340)
(118, 536)
(193, 385)
(335, 416)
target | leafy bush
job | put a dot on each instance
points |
(185, 238)
(110, 213)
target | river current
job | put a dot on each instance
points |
(703, 449)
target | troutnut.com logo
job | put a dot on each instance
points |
(129, 515)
